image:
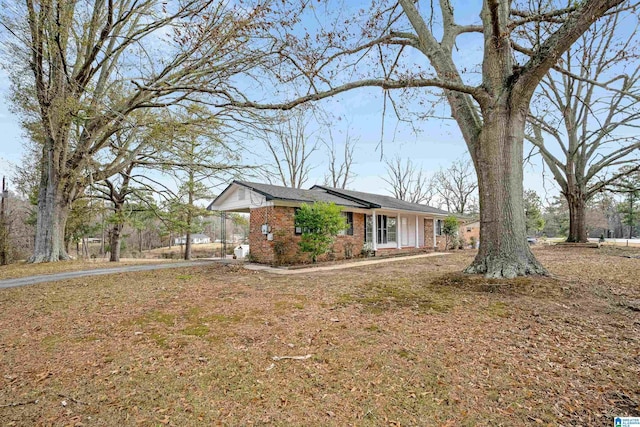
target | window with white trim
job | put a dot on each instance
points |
(386, 229)
(297, 230)
(368, 228)
(438, 227)
(348, 216)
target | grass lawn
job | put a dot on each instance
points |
(405, 343)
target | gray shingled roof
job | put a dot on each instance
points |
(276, 192)
(380, 201)
(320, 193)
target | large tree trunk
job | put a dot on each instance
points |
(504, 251)
(49, 244)
(50, 227)
(53, 209)
(115, 238)
(115, 235)
(577, 218)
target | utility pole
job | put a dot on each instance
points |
(631, 213)
(4, 232)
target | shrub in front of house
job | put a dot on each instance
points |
(320, 223)
(450, 230)
(284, 248)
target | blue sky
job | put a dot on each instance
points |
(436, 145)
(11, 146)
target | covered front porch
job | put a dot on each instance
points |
(387, 230)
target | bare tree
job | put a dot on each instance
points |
(98, 67)
(290, 145)
(629, 185)
(490, 109)
(590, 110)
(407, 182)
(457, 187)
(117, 191)
(339, 174)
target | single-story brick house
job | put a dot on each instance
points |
(196, 239)
(378, 224)
(470, 231)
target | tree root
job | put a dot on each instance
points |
(41, 258)
(497, 268)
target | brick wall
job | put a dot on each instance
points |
(470, 230)
(428, 235)
(260, 248)
(284, 249)
(350, 246)
(428, 232)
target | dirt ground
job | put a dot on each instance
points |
(405, 343)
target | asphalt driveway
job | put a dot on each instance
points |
(32, 280)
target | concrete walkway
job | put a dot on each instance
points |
(32, 280)
(285, 271)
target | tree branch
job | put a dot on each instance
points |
(551, 50)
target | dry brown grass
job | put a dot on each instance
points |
(205, 250)
(404, 343)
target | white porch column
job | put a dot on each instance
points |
(417, 233)
(375, 230)
(434, 232)
(398, 232)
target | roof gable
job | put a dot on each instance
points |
(237, 196)
(276, 192)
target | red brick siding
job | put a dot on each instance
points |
(474, 231)
(260, 248)
(428, 233)
(350, 246)
(284, 249)
(429, 225)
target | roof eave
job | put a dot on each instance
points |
(366, 203)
